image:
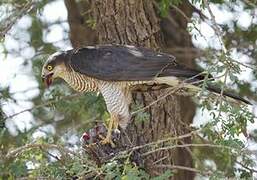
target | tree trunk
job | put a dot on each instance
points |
(136, 22)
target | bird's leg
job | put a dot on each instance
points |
(112, 123)
(116, 123)
(108, 137)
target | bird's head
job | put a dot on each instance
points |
(54, 67)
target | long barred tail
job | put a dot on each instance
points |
(175, 82)
(226, 93)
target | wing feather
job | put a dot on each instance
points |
(126, 63)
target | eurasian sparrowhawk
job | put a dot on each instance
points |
(115, 70)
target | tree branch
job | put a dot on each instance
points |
(16, 152)
(188, 145)
(44, 104)
(28, 7)
(183, 168)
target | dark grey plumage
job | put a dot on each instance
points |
(127, 63)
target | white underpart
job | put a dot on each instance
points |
(117, 102)
(175, 82)
(169, 80)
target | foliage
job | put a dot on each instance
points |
(60, 115)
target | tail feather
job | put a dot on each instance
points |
(194, 88)
(226, 93)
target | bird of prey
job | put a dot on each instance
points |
(115, 70)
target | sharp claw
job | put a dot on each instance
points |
(91, 145)
(108, 141)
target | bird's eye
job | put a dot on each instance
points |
(49, 67)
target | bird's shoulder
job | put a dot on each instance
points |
(116, 53)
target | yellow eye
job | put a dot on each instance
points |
(49, 67)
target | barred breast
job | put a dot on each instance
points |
(80, 82)
(83, 83)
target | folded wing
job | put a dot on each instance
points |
(127, 63)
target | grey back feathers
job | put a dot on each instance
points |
(126, 63)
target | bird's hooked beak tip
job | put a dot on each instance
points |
(47, 79)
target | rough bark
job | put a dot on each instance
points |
(136, 22)
(80, 33)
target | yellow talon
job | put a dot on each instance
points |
(107, 140)
(91, 145)
(113, 123)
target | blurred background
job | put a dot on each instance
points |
(32, 30)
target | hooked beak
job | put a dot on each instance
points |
(47, 79)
